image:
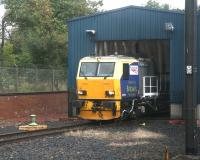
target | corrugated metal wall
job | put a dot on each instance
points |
(129, 23)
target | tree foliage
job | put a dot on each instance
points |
(156, 5)
(39, 29)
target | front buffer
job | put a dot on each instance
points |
(100, 110)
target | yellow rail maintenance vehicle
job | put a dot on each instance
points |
(110, 87)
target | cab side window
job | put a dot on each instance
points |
(125, 75)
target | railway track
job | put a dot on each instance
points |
(26, 135)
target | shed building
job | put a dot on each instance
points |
(134, 31)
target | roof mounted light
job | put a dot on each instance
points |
(90, 31)
(169, 27)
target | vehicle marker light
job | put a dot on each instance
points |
(82, 92)
(110, 93)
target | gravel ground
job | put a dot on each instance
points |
(122, 141)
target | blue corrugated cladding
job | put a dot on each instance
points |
(129, 23)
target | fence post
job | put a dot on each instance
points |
(16, 79)
(53, 79)
(36, 79)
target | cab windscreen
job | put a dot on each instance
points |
(97, 69)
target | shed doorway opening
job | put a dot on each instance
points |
(156, 50)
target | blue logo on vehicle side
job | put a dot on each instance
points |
(129, 88)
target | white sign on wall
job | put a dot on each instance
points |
(133, 70)
(188, 69)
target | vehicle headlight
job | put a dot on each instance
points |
(110, 93)
(82, 93)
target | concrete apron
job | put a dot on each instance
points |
(176, 111)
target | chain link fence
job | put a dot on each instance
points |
(26, 80)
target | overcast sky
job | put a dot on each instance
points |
(1, 11)
(112, 4)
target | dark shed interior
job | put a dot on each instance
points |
(157, 50)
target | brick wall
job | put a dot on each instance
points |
(41, 104)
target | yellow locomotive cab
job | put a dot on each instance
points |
(107, 86)
(98, 87)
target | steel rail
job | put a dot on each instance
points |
(24, 135)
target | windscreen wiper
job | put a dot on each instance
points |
(82, 73)
(108, 75)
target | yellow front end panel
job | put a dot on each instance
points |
(96, 88)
